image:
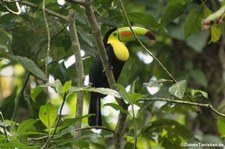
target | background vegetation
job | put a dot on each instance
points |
(175, 97)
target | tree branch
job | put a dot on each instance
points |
(207, 105)
(48, 11)
(79, 65)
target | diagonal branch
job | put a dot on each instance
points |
(97, 33)
(190, 103)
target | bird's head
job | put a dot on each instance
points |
(125, 34)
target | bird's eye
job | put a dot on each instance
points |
(115, 34)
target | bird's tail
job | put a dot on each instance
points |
(95, 108)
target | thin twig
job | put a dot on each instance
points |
(49, 40)
(207, 105)
(79, 66)
(38, 138)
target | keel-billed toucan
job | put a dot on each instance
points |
(118, 54)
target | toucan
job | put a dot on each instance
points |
(114, 42)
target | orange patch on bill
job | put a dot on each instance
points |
(126, 33)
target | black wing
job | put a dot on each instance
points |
(97, 76)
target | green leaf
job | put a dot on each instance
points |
(132, 87)
(123, 93)
(198, 41)
(48, 114)
(203, 93)
(58, 86)
(178, 89)
(70, 121)
(104, 91)
(82, 144)
(107, 91)
(36, 91)
(216, 32)
(117, 107)
(16, 144)
(193, 21)
(134, 97)
(173, 10)
(220, 121)
(29, 65)
(143, 19)
(7, 123)
(67, 86)
(25, 125)
(171, 133)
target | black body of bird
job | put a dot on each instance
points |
(97, 78)
(118, 54)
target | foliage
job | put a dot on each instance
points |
(190, 45)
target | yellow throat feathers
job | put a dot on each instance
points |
(120, 50)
